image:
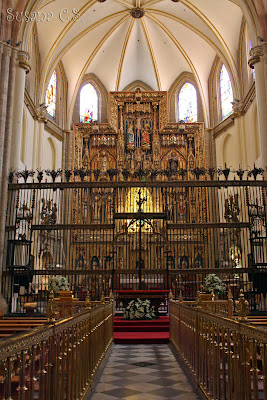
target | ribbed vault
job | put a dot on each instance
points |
(121, 44)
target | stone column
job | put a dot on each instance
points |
(4, 94)
(37, 139)
(8, 73)
(257, 61)
(241, 150)
(1, 52)
(22, 67)
(39, 131)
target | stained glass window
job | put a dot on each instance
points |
(226, 93)
(187, 103)
(88, 104)
(50, 100)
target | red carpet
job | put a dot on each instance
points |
(142, 331)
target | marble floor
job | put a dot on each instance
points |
(142, 372)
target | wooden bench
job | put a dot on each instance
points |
(13, 325)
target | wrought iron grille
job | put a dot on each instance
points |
(99, 237)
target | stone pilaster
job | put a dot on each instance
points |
(39, 132)
(8, 61)
(258, 61)
(4, 94)
(67, 150)
(22, 67)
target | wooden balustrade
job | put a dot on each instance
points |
(58, 361)
(226, 358)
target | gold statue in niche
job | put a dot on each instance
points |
(146, 144)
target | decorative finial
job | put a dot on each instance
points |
(88, 303)
(242, 307)
(181, 297)
(111, 297)
(199, 300)
(102, 300)
(50, 311)
(170, 295)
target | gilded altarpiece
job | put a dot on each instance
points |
(138, 144)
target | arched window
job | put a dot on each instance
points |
(226, 93)
(88, 104)
(187, 103)
(50, 100)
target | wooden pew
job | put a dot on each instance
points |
(13, 325)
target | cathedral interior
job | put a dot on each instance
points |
(133, 154)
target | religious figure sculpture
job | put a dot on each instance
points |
(103, 166)
(130, 137)
(146, 137)
(173, 163)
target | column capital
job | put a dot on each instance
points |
(41, 114)
(6, 49)
(256, 53)
(22, 60)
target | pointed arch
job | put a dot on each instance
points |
(51, 96)
(102, 94)
(53, 150)
(88, 104)
(226, 93)
(173, 94)
(187, 103)
(138, 84)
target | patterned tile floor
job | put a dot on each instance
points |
(142, 372)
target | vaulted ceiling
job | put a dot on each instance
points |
(167, 39)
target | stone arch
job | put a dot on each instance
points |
(53, 150)
(165, 158)
(111, 159)
(214, 90)
(61, 96)
(138, 84)
(102, 98)
(174, 91)
(226, 146)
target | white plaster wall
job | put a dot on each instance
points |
(29, 140)
(239, 144)
(51, 152)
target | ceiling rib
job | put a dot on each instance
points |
(231, 62)
(125, 44)
(189, 61)
(88, 62)
(46, 73)
(152, 54)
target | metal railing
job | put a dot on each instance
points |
(58, 361)
(225, 358)
(93, 233)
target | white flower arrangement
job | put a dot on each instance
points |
(58, 283)
(139, 309)
(214, 284)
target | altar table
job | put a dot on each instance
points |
(156, 297)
